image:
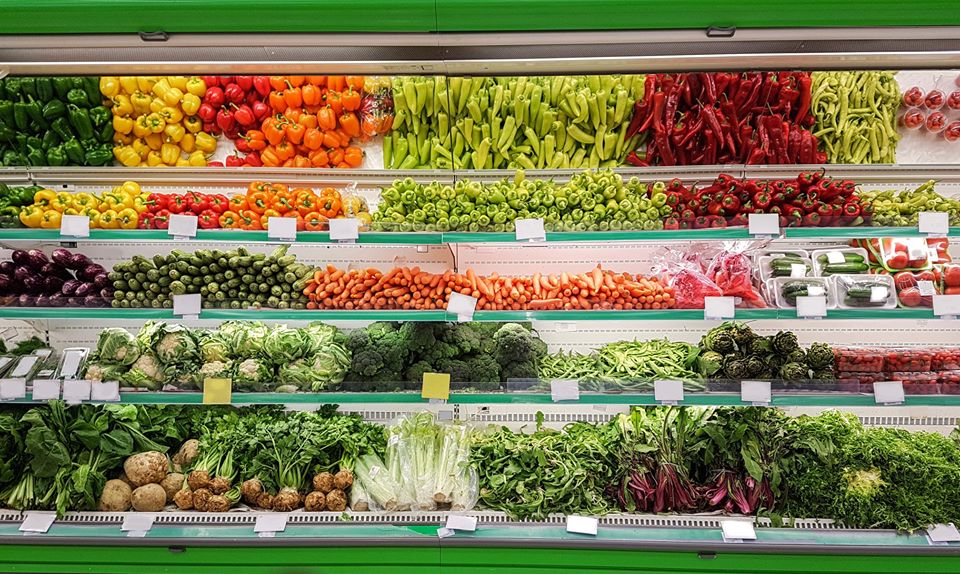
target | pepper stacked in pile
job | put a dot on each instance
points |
(708, 119)
(54, 121)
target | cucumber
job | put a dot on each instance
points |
(850, 268)
(847, 257)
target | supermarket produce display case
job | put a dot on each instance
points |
(479, 39)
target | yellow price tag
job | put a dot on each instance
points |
(217, 391)
(436, 386)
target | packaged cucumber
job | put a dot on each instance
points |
(784, 265)
(841, 260)
(787, 289)
(865, 291)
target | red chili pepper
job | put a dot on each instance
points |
(634, 159)
(208, 219)
(803, 109)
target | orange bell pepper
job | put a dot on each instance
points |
(308, 121)
(306, 202)
(331, 140)
(335, 103)
(351, 100)
(313, 221)
(278, 83)
(312, 96)
(301, 161)
(284, 151)
(336, 156)
(255, 139)
(259, 202)
(293, 96)
(337, 83)
(237, 203)
(319, 158)
(350, 124)
(229, 220)
(278, 188)
(256, 186)
(353, 156)
(327, 119)
(273, 130)
(294, 133)
(283, 202)
(355, 82)
(296, 81)
(319, 81)
(277, 103)
(312, 139)
(249, 219)
(328, 206)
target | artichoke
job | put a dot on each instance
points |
(719, 342)
(826, 375)
(785, 342)
(820, 356)
(742, 334)
(760, 346)
(793, 372)
(797, 356)
(736, 369)
(756, 367)
(709, 363)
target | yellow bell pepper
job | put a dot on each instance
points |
(153, 159)
(206, 142)
(116, 201)
(157, 104)
(109, 86)
(154, 141)
(178, 82)
(62, 201)
(141, 102)
(72, 211)
(94, 217)
(196, 86)
(146, 83)
(197, 159)
(125, 139)
(140, 204)
(171, 114)
(141, 128)
(174, 132)
(122, 106)
(128, 218)
(190, 104)
(128, 84)
(108, 220)
(44, 198)
(127, 155)
(128, 187)
(122, 125)
(155, 123)
(140, 146)
(193, 124)
(50, 219)
(172, 96)
(31, 215)
(81, 201)
(182, 162)
(187, 143)
(170, 153)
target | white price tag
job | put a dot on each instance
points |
(46, 390)
(445, 532)
(13, 389)
(816, 291)
(936, 223)
(582, 525)
(756, 393)
(737, 530)
(926, 288)
(763, 224)
(187, 305)
(76, 391)
(668, 392)
(878, 294)
(463, 306)
(105, 392)
(718, 308)
(347, 229)
(138, 521)
(888, 392)
(272, 522)
(812, 306)
(460, 522)
(798, 270)
(530, 230)
(943, 533)
(182, 226)
(564, 390)
(835, 257)
(38, 522)
(71, 362)
(75, 226)
(282, 228)
(24, 366)
(946, 305)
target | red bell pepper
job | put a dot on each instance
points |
(161, 219)
(156, 202)
(197, 202)
(219, 203)
(175, 204)
(145, 221)
(208, 219)
(762, 200)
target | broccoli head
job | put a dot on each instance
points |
(484, 369)
(419, 336)
(379, 352)
(514, 343)
(519, 370)
(459, 370)
(415, 371)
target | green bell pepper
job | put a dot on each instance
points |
(80, 120)
(3, 90)
(62, 86)
(7, 134)
(54, 109)
(101, 116)
(91, 85)
(21, 119)
(6, 113)
(56, 156)
(12, 86)
(62, 127)
(44, 89)
(74, 151)
(50, 139)
(77, 97)
(28, 87)
(35, 156)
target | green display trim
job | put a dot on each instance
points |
(811, 399)
(412, 315)
(438, 238)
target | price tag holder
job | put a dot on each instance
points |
(13, 389)
(582, 525)
(182, 226)
(445, 532)
(888, 392)
(282, 228)
(946, 306)
(37, 522)
(668, 392)
(926, 288)
(462, 523)
(272, 522)
(436, 386)
(763, 224)
(530, 230)
(74, 226)
(757, 393)
(346, 229)
(934, 223)
(76, 391)
(737, 531)
(105, 392)
(942, 534)
(217, 391)
(812, 306)
(719, 308)
(187, 306)
(463, 306)
(137, 524)
(46, 390)
(564, 390)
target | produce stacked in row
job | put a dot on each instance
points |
(928, 110)
(231, 106)
(12, 200)
(902, 208)
(411, 288)
(147, 483)
(253, 356)
(922, 370)
(856, 116)
(31, 279)
(54, 121)
(513, 122)
(734, 351)
(119, 208)
(384, 355)
(234, 279)
(155, 121)
(625, 366)
(721, 118)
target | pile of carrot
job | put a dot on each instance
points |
(411, 288)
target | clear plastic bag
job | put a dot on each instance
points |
(731, 270)
(865, 291)
(683, 272)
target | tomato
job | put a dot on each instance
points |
(910, 297)
(899, 260)
(951, 275)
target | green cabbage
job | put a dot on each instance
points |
(316, 373)
(117, 346)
